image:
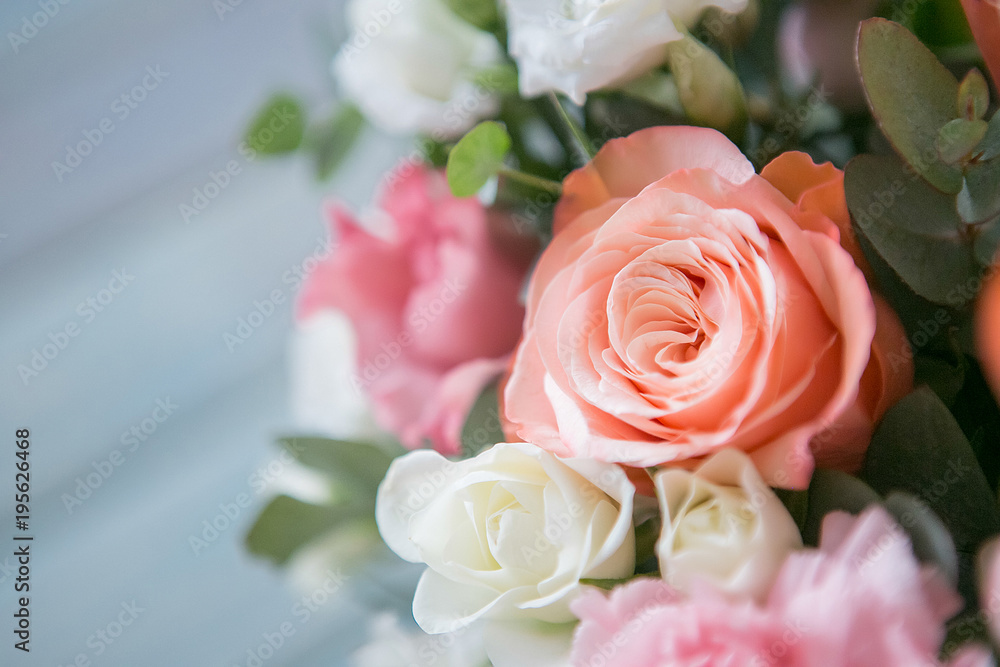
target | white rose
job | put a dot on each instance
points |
(575, 46)
(506, 535)
(722, 524)
(410, 66)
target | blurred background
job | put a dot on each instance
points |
(115, 313)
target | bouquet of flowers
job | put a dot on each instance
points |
(679, 330)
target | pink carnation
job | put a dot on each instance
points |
(860, 600)
(434, 303)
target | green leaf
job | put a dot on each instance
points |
(938, 23)
(608, 584)
(481, 13)
(990, 147)
(944, 375)
(911, 95)
(797, 504)
(958, 137)
(710, 92)
(482, 427)
(930, 539)
(657, 89)
(830, 491)
(914, 228)
(646, 535)
(987, 242)
(287, 524)
(499, 79)
(278, 127)
(973, 96)
(336, 138)
(920, 448)
(978, 414)
(359, 464)
(979, 200)
(477, 157)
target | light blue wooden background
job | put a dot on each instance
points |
(162, 337)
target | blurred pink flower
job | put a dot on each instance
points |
(434, 303)
(860, 600)
(817, 42)
(989, 586)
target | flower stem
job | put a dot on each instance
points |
(580, 139)
(532, 181)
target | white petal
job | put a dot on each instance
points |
(528, 644)
(411, 483)
(442, 605)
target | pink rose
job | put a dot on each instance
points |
(860, 600)
(434, 303)
(686, 304)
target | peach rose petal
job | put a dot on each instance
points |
(622, 167)
(686, 304)
(988, 330)
(984, 19)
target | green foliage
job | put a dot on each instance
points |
(278, 127)
(335, 139)
(920, 448)
(979, 200)
(911, 95)
(288, 524)
(361, 465)
(355, 469)
(481, 13)
(973, 96)
(482, 427)
(710, 92)
(957, 138)
(930, 539)
(477, 157)
(990, 147)
(914, 228)
(830, 491)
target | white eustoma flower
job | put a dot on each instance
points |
(392, 645)
(576, 46)
(722, 525)
(506, 535)
(410, 66)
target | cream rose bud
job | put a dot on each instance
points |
(506, 535)
(410, 66)
(722, 525)
(576, 46)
